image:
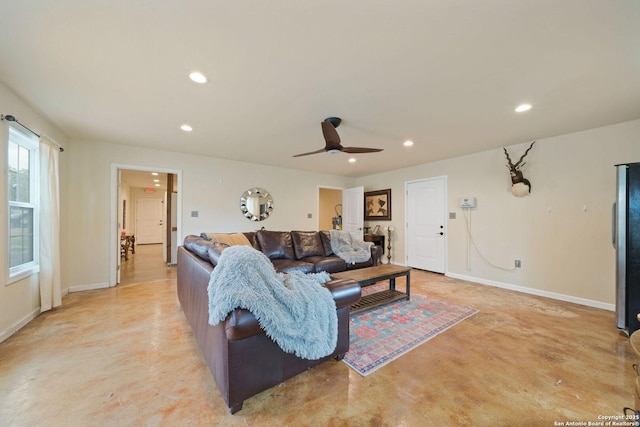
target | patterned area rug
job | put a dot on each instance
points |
(381, 335)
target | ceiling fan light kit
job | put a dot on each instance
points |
(332, 140)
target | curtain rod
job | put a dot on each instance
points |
(11, 118)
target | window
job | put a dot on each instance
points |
(22, 161)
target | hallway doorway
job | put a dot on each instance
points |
(329, 207)
(143, 197)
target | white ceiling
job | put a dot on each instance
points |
(144, 179)
(445, 73)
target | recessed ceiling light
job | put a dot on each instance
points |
(407, 143)
(352, 160)
(155, 173)
(156, 180)
(522, 108)
(157, 185)
(186, 128)
(198, 77)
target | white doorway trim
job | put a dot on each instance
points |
(114, 243)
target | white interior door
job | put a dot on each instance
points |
(353, 209)
(149, 223)
(426, 225)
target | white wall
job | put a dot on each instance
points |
(20, 301)
(210, 186)
(564, 252)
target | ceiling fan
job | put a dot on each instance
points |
(332, 140)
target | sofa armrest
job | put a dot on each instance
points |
(345, 292)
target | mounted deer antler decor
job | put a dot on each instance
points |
(520, 186)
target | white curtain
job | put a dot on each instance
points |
(50, 295)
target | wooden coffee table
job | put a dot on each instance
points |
(372, 275)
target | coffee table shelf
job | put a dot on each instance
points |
(377, 299)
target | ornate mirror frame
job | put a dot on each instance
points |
(256, 204)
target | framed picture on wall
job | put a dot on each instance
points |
(377, 205)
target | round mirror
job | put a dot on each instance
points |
(256, 204)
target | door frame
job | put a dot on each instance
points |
(328, 187)
(342, 189)
(114, 239)
(444, 213)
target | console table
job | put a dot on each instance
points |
(376, 239)
(127, 243)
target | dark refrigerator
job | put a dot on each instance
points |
(626, 240)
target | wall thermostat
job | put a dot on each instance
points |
(467, 202)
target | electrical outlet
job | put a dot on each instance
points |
(518, 265)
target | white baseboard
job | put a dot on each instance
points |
(88, 287)
(538, 292)
(19, 324)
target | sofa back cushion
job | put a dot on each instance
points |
(275, 244)
(307, 243)
(251, 236)
(230, 239)
(325, 236)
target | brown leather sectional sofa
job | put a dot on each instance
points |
(306, 251)
(242, 359)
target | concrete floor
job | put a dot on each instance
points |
(145, 265)
(126, 357)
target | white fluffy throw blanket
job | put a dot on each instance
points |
(350, 249)
(295, 310)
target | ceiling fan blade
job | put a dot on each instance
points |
(322, 150)
(356, 150)
(330, 136)
(332, 140)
